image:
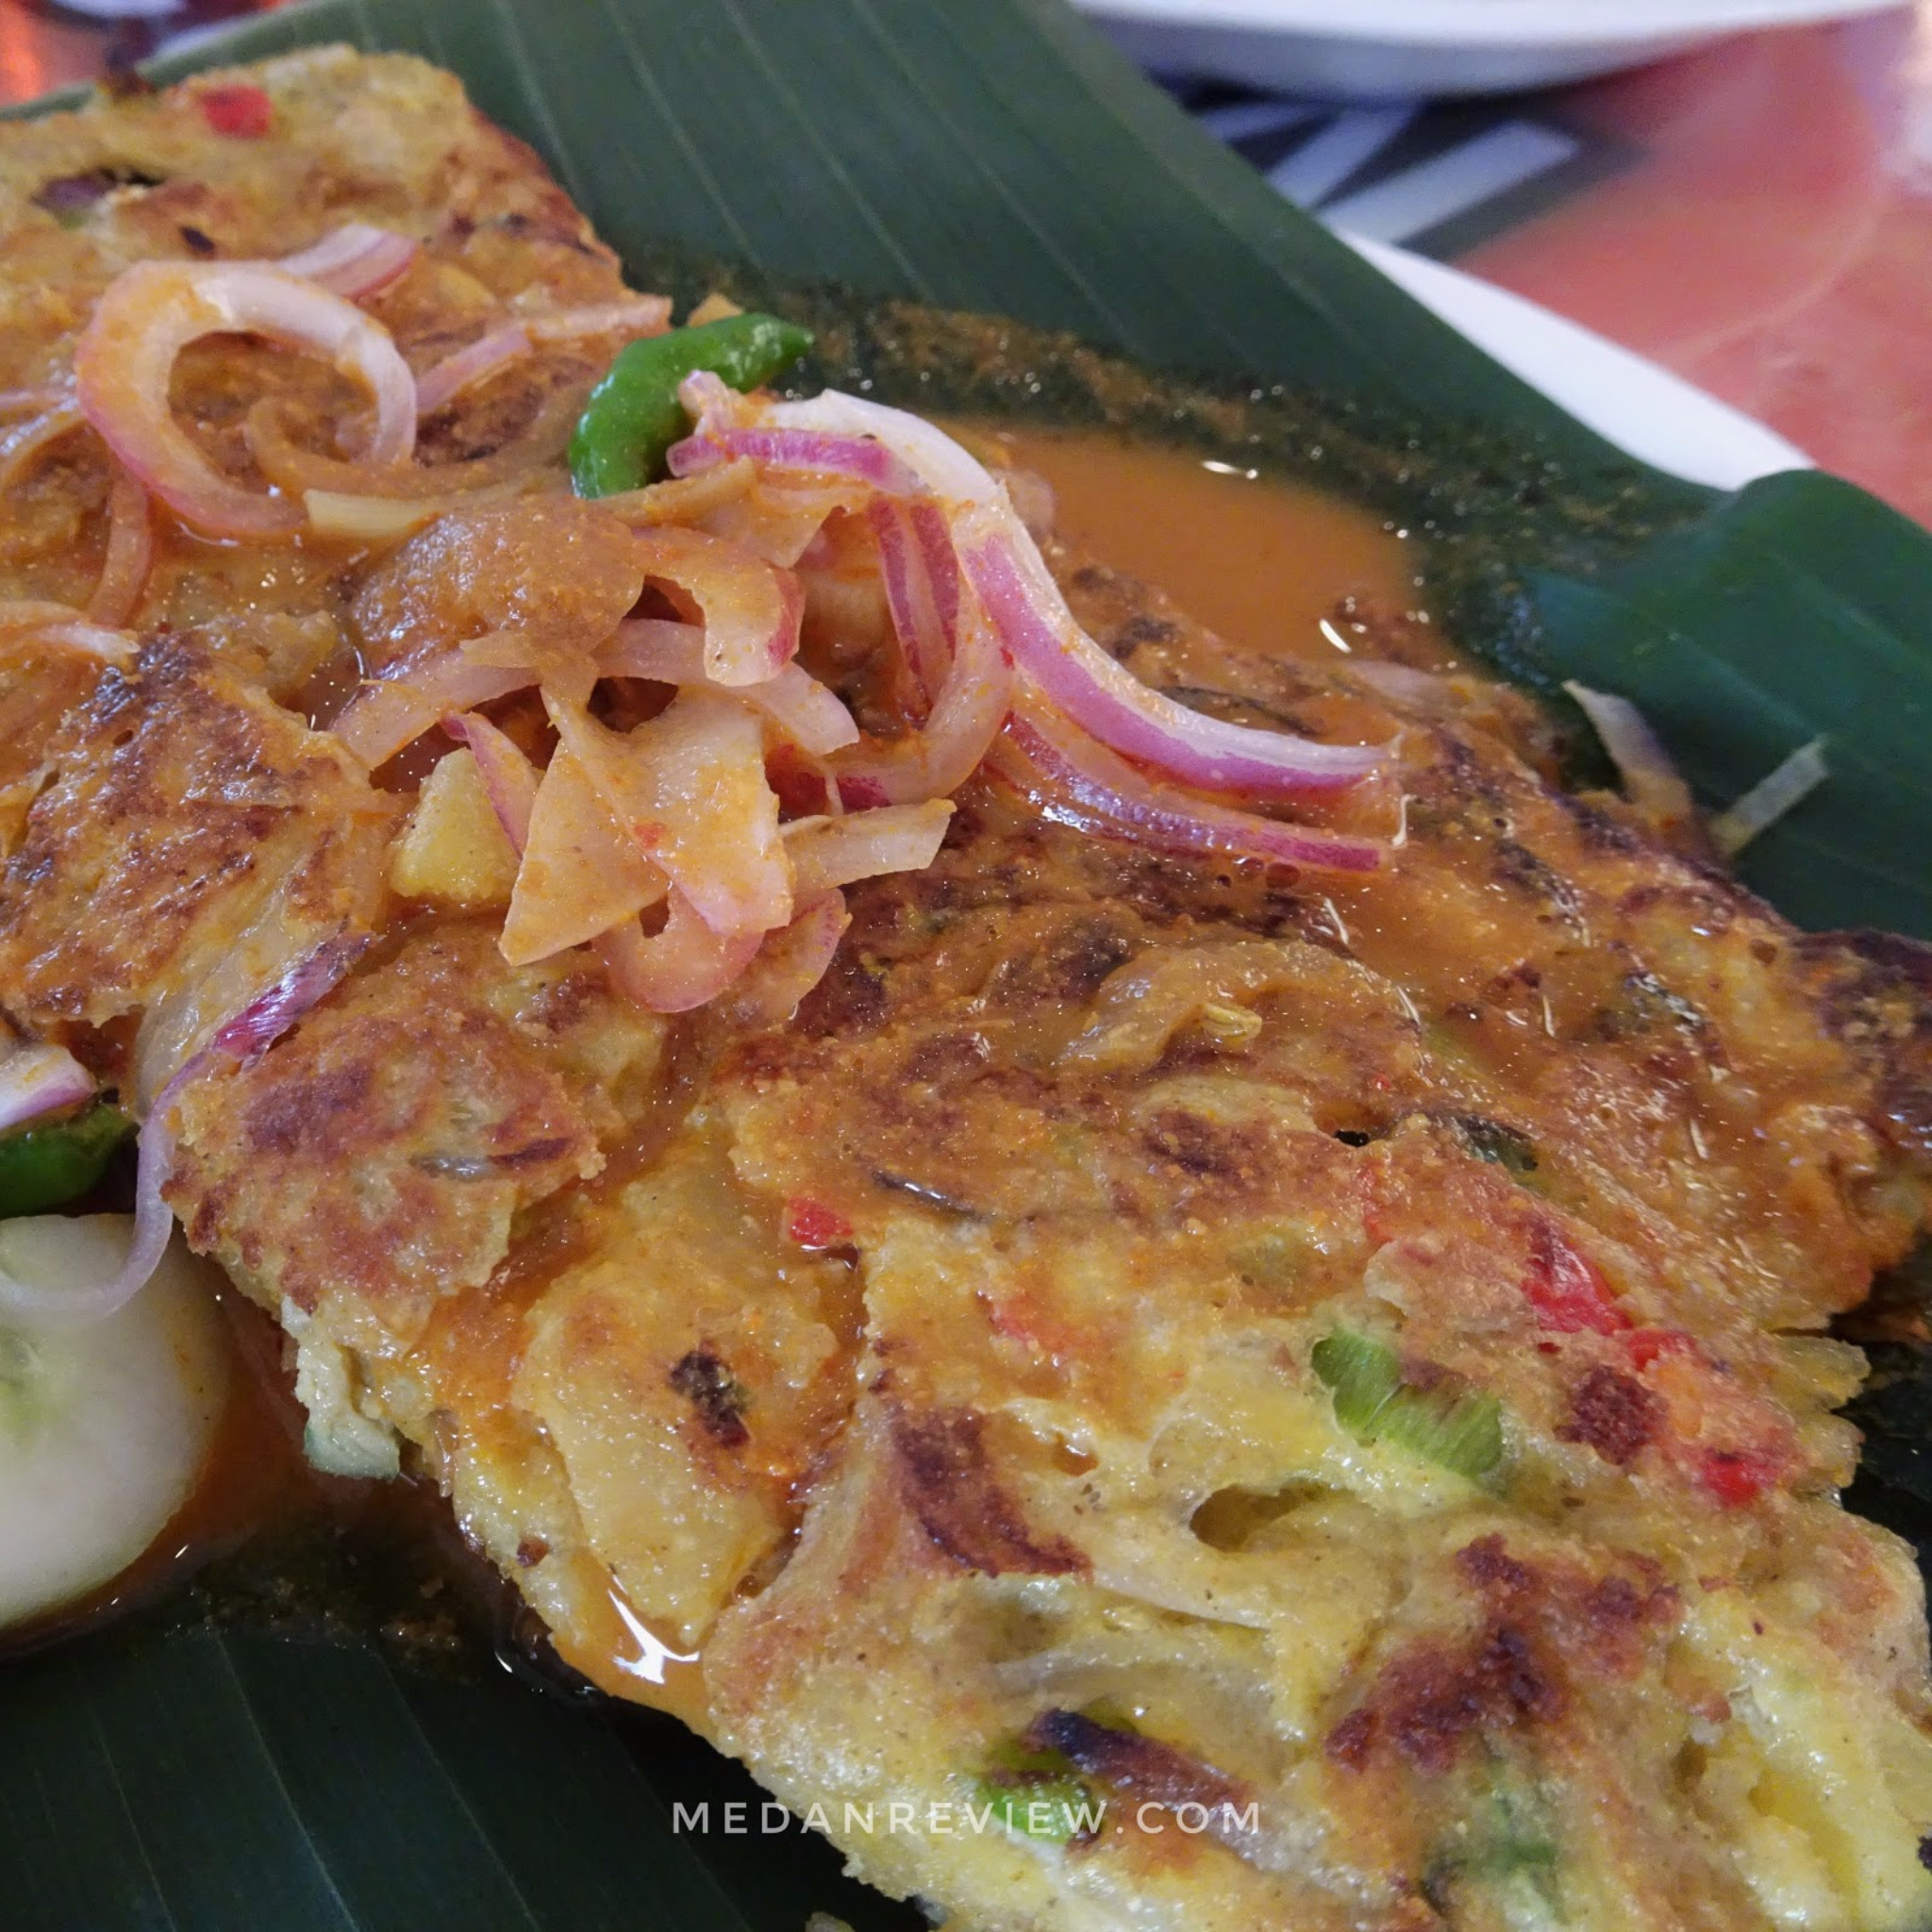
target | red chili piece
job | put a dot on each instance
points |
(1646, 1345)
(1736, 1476)
(1567, 1288)
(246, 113)
(812, 1224)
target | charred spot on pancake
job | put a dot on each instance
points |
(72, 198)
(718, 1398)
(1614, 1414)
(1137, 1765)
(950, 1487)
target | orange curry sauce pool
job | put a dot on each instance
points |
(1267, 564)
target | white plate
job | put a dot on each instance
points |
(1642, 409)
(1396, 49)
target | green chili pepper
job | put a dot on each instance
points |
(1456, 1430)
(45, 1167)
(633, 415)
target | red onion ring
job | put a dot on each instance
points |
(641, 315)
(686, 965)
(921, 574)
(397, 709)
(249, 1034)
(752, 609)
(802, 708)
(456, 373)
(828, 853)
(1109, 703)
(510, 780)
(353, 261)
(153, 310)
(25, 441)
(949, 472)
(940, 755)
(806, 450)
(790, 962)
(130, 554)
(37, 1080)
(1073, 780)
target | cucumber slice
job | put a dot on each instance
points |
(103, 1431)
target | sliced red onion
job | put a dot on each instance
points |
(154, 1225)
(1074, 780)
(752, 609)
(638, 315)
(940, 754)
(510, 780)
(398, 707)
(808, 714)
(1651, 781)
(151, 311)
(945, 469)
(57, 623)
(1112, 704)
(1400, 681)
(39, 1080)
(806, 450)
(25, 441)
(130, 554)
(355, 260)
(250, 1033)
(1769, 799)
(921, 573)
(790, 962)
(684, 966)
(270, 1014)
(445, 380)
(827, 853)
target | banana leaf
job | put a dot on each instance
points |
(873, 164)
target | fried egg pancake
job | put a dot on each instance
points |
(942, 1401)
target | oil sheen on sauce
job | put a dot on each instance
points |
(1267, 564)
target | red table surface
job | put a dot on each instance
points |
(1769, 235)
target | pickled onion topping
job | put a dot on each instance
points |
(684, 965)
(151, 311)
(445, 380)
(802, 708)
(510, 780)
(812, 451)
(1076, 780)
(1112, 704)
(640, 315)
(1650, 780)
(250, 1032)
(129, 557)
(751, 610)
(354, 261)
(707, 847)
(40, 1080)
(790, 962)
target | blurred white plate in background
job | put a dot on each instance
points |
(1393, 49)
(1646, 410)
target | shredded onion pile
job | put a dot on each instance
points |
(667, 846)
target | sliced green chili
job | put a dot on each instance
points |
(45, 1167)
(633, 416)
(1455, 1428)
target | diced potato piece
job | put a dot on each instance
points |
(453, 850)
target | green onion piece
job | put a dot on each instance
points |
(1041, 1806)
(45, 1167)
(1457, 1430)
(633, 415)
